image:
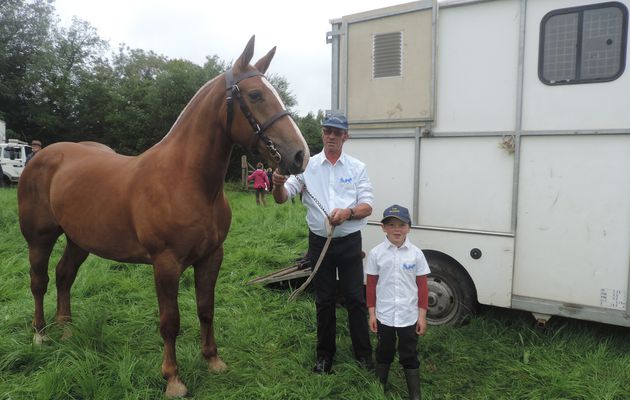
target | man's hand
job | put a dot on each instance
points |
(373, 325)
(339, 215)
(279, 193)
(278, 179)
(421, 325)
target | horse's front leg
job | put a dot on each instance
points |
(167, 273)
(206, 272)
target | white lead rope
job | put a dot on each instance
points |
(299, 290)
(329, 228)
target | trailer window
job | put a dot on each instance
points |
(387, 55)
(583, 44)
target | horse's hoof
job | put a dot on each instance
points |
(40, 338)
(217, 365)
(175, 388)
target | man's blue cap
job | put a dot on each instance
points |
(336, 121)
(397, 211)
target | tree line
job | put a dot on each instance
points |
(66, 84)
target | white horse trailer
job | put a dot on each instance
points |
(504, 126)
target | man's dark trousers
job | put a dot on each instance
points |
(345, 256)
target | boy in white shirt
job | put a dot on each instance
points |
(397, 298)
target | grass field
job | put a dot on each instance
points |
(268, 343)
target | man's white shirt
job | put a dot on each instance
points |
(342, 185)
(396, 289)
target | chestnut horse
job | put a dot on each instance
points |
(165, 207)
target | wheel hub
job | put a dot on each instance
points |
(441, 299)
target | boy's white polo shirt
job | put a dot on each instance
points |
(396, 289)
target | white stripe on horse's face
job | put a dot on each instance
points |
(274, 91)
(293, 124)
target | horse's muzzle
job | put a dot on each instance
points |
(295, 166)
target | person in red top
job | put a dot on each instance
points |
(397, 298)
(261, 183)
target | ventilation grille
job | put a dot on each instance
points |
(387, 51)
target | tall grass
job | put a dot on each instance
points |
(115, 349)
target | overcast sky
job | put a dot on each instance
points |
(194, 29)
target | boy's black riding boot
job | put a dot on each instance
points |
(382, 371)
(412, 376)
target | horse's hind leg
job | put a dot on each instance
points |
(39, 254)
(206, 273)
(66, 272)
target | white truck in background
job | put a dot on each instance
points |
(13, 155)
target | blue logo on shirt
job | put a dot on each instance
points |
(408, 267)
(345, 180)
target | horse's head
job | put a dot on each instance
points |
(257, 118)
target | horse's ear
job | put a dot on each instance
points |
(243, 60)
(264, 62)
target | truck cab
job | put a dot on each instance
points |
(13, 156)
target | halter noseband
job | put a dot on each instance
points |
(231, 86)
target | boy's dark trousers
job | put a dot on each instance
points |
(407, 355)
(343, 255)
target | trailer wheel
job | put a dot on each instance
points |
(452, 296)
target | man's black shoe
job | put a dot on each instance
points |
(366, 363)
(322, 366)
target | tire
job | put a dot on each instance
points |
(452, 295)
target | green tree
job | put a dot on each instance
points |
(129, 123)
(149, 93)
(94, 104)
(58, 84)
(44, 69)
(76, 54)
(25, 43)
(310, 125)
(282, 86)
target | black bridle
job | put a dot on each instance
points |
(231, 86)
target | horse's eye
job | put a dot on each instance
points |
(255, 95)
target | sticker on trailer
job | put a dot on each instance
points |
(613, 298)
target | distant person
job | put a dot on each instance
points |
(397, 298)
(338, 192)
(36, 146)
(270, 178)
(261, 183)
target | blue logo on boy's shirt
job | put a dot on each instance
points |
(345, 180)
(408, 267)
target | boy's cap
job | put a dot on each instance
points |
(36, 143)
(336, 121)
(397, 211)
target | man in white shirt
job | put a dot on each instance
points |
(336, 188)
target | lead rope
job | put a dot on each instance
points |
(330, 230)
